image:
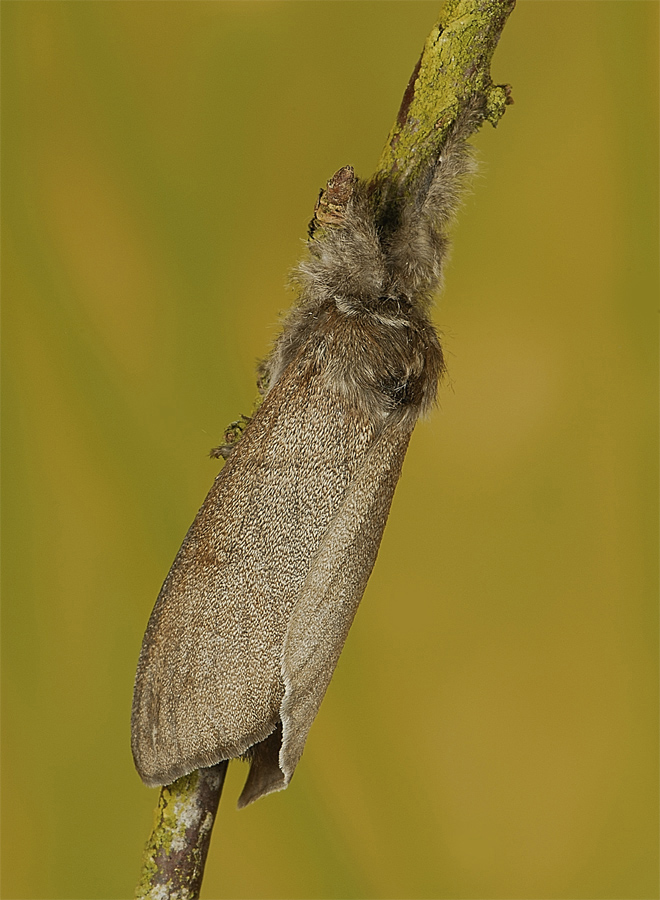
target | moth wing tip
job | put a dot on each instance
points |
(265, 775)
(248, 797)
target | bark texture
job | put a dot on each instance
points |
(175, 855)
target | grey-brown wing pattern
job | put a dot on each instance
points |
(325, 607)
(209, 683)
(333, 589)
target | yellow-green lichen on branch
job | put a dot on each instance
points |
(453, 68)
(173, 864)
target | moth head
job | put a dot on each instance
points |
(346, 261)
(375, 253)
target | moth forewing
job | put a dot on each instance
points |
(209, 683)
(329, 599)
(325, 608)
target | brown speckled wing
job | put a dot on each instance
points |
(209, 683)
(325, 607)
(333, 589)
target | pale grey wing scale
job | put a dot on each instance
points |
(209, 681)
(333, 589)
(325, 609)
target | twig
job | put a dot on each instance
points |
(454, 68)
(175, 855)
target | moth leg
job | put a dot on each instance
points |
(233, 434)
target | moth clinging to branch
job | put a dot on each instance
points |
(249, 624)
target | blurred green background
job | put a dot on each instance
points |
(491, 731)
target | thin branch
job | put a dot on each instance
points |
(454, 67)
(175, 855)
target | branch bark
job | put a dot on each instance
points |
(175, 855)
(454, 68)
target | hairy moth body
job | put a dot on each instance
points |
(250, 622)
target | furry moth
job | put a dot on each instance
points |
(252, 617)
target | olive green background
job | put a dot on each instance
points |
(491, 731)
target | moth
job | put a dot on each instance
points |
(249, 624)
